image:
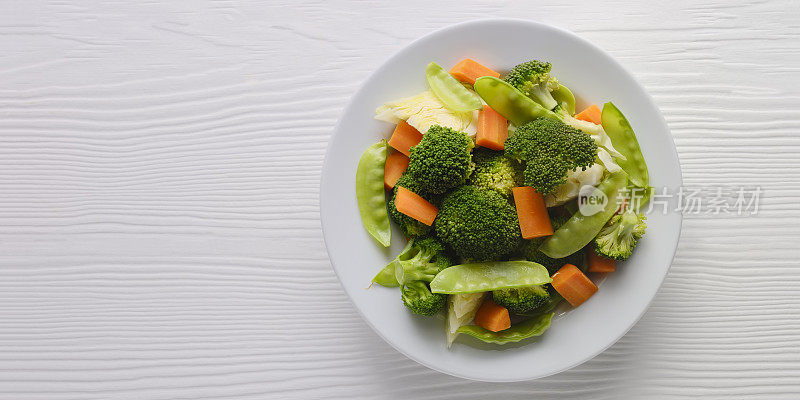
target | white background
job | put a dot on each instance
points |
(159, 206)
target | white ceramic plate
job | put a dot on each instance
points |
(578, 335)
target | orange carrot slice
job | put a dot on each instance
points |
(413, 205)
(573, 285)
(492, 129)
(404, 138)
(591, 114)
(468, 70)
(533, 218)
(600, 264)
(492, 316)
(396, 164)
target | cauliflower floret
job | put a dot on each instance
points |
(575, 180)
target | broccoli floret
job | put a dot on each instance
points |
(478, 224)
(418, 263)
(562, 114)
(522, 300)
(442, 160)
(619, 236)
(552, 302)
(550, 149)
(408, 225)
(530, 250)
(419, 299)
(533, 78)
(421, 260)
(495, 171)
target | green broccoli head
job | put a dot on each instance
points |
(478, 224)
(522, 300)
(619, 236)
(533, 78)
(530, 250)
(496, 172)
(419, 299)
(408, 225)
(421, 260)
(442, 160)
(550, 149)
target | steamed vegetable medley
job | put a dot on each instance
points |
(483, 175)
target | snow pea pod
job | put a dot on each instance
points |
(565, 98)
(385, 276)
(624, 140)
(508, 101)
(450, 91)
(370, 193)
(580, 229)
(490, 275)
(530, 328)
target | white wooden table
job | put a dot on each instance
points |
(159, 222)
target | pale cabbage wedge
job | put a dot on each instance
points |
(576, 179)
(424, 110)
(461, 309)
(607, 160)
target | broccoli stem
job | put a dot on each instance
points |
(628, 223)
(543, 96)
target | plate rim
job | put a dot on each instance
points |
(399, 53)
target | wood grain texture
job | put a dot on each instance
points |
(159, 168)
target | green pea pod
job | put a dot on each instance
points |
(385, 276)
(580, 229)
(624, 140)
(530, 328)
(490, 275)
(450, 91)
(565, 98)
(508, 101)
(370, 193)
